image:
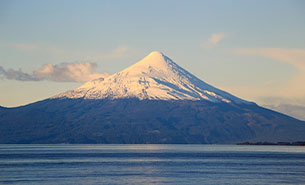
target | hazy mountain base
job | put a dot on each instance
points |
(145, 121)
(295, 111)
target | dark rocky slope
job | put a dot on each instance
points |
(145, 121)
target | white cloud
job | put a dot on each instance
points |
(214, 40)
(64, 72)
(69, 72)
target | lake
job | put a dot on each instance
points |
(151, 164)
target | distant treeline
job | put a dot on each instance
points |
(297, 143)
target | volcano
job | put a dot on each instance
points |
(156, 77)
(152, 101)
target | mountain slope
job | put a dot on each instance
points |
(145, 121)
(153, 101)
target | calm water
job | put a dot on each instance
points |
(151, 164)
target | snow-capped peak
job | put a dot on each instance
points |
(156, 77)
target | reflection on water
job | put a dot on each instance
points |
(151, 164)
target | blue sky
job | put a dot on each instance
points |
(253, 49)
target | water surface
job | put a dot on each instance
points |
(151, 164)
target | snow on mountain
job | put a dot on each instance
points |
(156, 77)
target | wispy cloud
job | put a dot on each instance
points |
(287, 97)
(295, 57)
(26, 47)
(47, 50)
(64, 72)
(12, 74)
(214, 40)
(289, 109)
(119, 52)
